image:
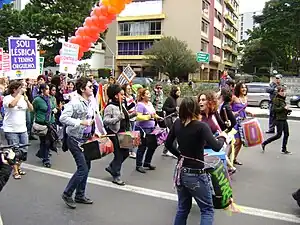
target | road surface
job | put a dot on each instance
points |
(262, 187)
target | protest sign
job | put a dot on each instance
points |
(23, 58)
(69, 58)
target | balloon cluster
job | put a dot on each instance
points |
(100, 17)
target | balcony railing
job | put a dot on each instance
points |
(231, 34)
(230, 20)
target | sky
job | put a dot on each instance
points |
(251, 5)
(245, 5)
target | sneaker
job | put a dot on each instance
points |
(132, 155)
(118, 181)
(168, 154)
(263, 146)
(296, 198)
(149, 166)
(140, 169)
(83, 200)
(286, 152)
(69, 201)
(270, 132)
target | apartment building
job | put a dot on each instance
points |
(247, 23)
(206, 25)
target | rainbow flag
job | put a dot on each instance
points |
(100, 98)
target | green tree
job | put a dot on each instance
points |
(9, 24)
(279, 31)
(52, 20)
(172, 57)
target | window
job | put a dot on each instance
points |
(218, 15)
(152, 27)
(204, 46)
(256, 89)
(133, 47)
(204, 27)
(217, 51)
(205, 7)
(217, 33)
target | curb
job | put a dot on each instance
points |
(267, 116)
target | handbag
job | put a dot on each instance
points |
(39, 130)
(97, 148)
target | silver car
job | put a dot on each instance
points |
(257, 95)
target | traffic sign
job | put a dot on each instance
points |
(203, 57)
(41, 65)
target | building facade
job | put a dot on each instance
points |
(207, 26)
(247, 23)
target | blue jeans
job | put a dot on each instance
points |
(195, 186)
(28, 122)
(16, 138)
(79, 179)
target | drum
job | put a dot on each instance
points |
(252, 133)
(161, 135)
(97, 148)
(221, 188)
(129, 139)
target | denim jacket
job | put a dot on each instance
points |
(74, 112)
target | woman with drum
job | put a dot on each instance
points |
(145, 123)
(239, 104)
(116, 119)
(209, 114)
(190, 177)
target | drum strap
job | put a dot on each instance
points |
(177, 180)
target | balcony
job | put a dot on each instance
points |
(139, 37)
(141, 17)
(231, 21)
(205, 14)
(130, 57)
(229, 63)
(231, 34)
(230, 6)
(216, 58)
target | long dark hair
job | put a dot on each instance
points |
(237, 89)
(189, 109)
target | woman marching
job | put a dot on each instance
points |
(239, 104)
(191, 180)
(116, 119)
(146, 116)
(281, 111)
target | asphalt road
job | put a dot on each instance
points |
(262, 187)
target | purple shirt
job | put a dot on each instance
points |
(145, 109)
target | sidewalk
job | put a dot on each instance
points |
(264, 113)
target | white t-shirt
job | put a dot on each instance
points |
(14, 118)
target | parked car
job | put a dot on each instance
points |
(142, 81)
(257, 95)
(295, 100)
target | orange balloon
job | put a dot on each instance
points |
(88, 21)
(91, 31)
(97, 11)
(116, 3)
(105, 2)
(72, 39)
(103, 20)
(112, 10)
(57, 59)
(128, 1)
(104, 10)
(87, 39)
(80, 32)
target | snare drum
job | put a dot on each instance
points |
(221, 188)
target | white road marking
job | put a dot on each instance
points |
(162, 195)
(1, 222)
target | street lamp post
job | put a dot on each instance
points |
(113, 55)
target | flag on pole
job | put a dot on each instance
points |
(100, 98)
(126, 76)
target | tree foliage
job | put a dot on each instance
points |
(9, 24)
(279, 33)
(172, 57)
